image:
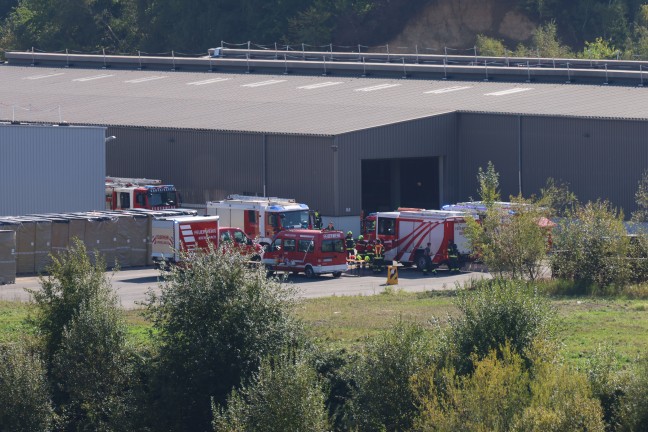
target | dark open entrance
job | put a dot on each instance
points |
(391, 183)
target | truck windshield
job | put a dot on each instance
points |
(295, 219)
(159, 199)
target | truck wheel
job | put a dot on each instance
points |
(309, 272)
(421, 262)
(337, 274)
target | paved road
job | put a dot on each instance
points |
(132, 284)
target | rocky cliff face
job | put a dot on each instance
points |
(456, 23)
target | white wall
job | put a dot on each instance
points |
(51, 169)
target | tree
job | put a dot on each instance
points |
(84, 343)
(488, 184)
(511, 245)
(92, 368)
(591, 246)
(25, 401)
(285, 395)
(547, 43)
(214, 320)
(599, 49)
(557, 198)
(383, 399)
(641, 198)
(72, 280)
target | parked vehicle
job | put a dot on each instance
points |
(261, 217)
(311, 252)
(405, 235)
(173, 234)
(132, 193)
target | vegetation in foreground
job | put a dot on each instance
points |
(227, 350)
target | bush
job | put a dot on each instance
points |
(383, 399)
(72, 280)
(561, 400)
(502, 394)
(634, 404)
(487, 400)
(336, 369)
(592, 246)
(285, 395)
(496, 312)
(608, 384)
(92, 371)
(213, 322)
(25, 403)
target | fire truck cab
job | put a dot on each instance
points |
(261, 217)
(311, 252)
(132, 193)
(405, 235)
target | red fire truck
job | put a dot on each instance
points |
(261, 217)
(405, 235)
(311, 252)
(131, 193)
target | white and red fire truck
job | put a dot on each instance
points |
(405, 235)
(133, 193)
(173, 234)
(261, 217)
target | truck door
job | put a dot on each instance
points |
(272, 224)
(251, 223)
(140, 200)
(124, 200)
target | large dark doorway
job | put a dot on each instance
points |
(391, 183)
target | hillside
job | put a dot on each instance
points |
(191, 27)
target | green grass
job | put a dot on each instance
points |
(344, 322)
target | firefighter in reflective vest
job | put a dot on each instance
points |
(318, 220)
(379, 261)
(350, 244)
(370, 255)
(360, 245)
(453, 258)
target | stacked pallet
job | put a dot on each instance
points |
(28, 243)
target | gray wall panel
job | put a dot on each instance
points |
(203, 165)
(483, 138)
(598, 158)
(301, 167)
(428, 137)
(49, 169)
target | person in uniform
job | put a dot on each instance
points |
(350, 244)
(453, 258)
(379, 261)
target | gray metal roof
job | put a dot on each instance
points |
(322, 105)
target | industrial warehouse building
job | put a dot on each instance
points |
(341, 143)
(51, 169)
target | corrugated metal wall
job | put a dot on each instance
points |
(203, 165)
(209, 165)
(482, 138)
(428, 137)
(598, 158)
(50, 169)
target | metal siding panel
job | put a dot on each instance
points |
(483, 138)
(203, 165)
(49, 169)
(598, 158)
(301, 168)
(432, 136)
